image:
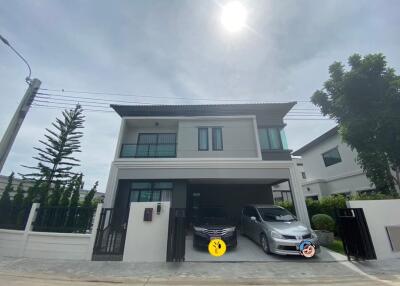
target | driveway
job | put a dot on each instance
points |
(248, 251)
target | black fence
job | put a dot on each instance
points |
(15, 218)
(64, 219)
(110, 239)
(353, 230)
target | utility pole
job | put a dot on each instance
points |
(16, 121)
(19, 115)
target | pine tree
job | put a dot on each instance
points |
(88, 201)
(19, 196)
(54, 198)
(66, 195)
(75, 194)
(55, 158)
(5, 201)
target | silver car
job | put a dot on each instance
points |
(275, 229)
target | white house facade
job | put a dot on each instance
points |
(191, 156)
(329, 167)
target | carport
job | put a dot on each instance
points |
(231, 196)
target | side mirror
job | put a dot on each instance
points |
(253, 219)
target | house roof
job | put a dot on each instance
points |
(317, 141)
(278, 109)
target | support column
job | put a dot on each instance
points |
(111, 189)
(94, 231)
(29, 227)
(298, 196)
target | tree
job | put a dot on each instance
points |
(88, 200)
(365, 102)
(5, 201)
(19, 196)
(54, 198)
(78, 184)
(66, 195)
(55, 158)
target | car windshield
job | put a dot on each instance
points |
(276, 214)
(212, 216)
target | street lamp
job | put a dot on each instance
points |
(22, 109)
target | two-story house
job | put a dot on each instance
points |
(330, 167)
(195, 156)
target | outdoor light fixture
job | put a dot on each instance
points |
(234, 16)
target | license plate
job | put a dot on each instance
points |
(215, 237)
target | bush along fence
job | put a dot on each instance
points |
(64, 219)
(15, 217)
(50, 232)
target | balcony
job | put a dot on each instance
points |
(161, 150)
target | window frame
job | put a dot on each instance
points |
(330, 150)
(152, 189)
(198, 139)
(214, 139)
(267, 128)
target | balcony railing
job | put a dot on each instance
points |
(161, 150)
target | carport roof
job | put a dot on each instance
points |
(278, 109)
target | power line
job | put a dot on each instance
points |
(66, 107)
(151, 96)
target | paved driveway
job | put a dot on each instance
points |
(248, 251)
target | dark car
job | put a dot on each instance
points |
(213, 223)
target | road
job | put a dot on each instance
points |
(14, 279)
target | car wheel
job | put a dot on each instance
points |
(264, 244)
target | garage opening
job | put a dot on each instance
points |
(224, 201)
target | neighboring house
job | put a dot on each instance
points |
(201, 156)
(4, 180)
(330, 168)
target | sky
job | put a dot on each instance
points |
(163, 51)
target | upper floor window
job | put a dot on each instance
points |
(303, 175)
(203, 138)
(331, 157)
(271, 138)
(217, 139)
(151, 145)
(216, 133)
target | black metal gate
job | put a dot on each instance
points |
(110, 238)
(354, 232)
(176, 235)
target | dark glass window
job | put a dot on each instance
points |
(203, 138)
(331, 157)
(270, 138)
(217, 139)
(150, 191)
(303, 175)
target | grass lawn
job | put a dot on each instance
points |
(337, 246)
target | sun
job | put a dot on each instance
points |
(234, 16)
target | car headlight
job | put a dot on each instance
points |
(276, 234)
(199, 229)
(230, 229)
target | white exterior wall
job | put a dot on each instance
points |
(239, 138)
(146, 241)
(27, 243)
(11, 242)
(379, 214)
(344, 177)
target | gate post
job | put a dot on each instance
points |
(93, 234)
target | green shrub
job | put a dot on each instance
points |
(323, 222)
(374, 196)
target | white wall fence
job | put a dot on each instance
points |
(379, 215)
(29, 243)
